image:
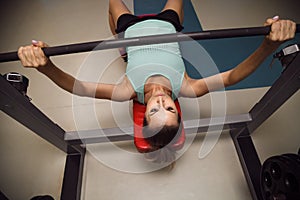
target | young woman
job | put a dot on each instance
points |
(155, 74)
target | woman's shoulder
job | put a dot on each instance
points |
(127, 87)
(191, 87)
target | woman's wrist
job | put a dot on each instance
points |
(46, 67)
(270, 46)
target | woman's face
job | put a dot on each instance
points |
(161, 110)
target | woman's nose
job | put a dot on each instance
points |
(160, 100)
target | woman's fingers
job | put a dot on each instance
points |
(271, 20)
(40, 58)
(32, 56)
(39, 43)
(281, 30)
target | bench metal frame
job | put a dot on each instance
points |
(17, 106)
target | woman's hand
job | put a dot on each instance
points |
(281, 31)
(32, 56)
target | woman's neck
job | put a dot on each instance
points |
(156, 83)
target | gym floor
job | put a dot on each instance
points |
(30, 166)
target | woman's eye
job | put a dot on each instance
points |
(170, 109)
(153, 110)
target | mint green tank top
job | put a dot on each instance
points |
(157, 59)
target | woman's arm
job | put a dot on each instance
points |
(281, 31)
(33, 57)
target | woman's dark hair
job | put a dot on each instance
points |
(161, 141)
